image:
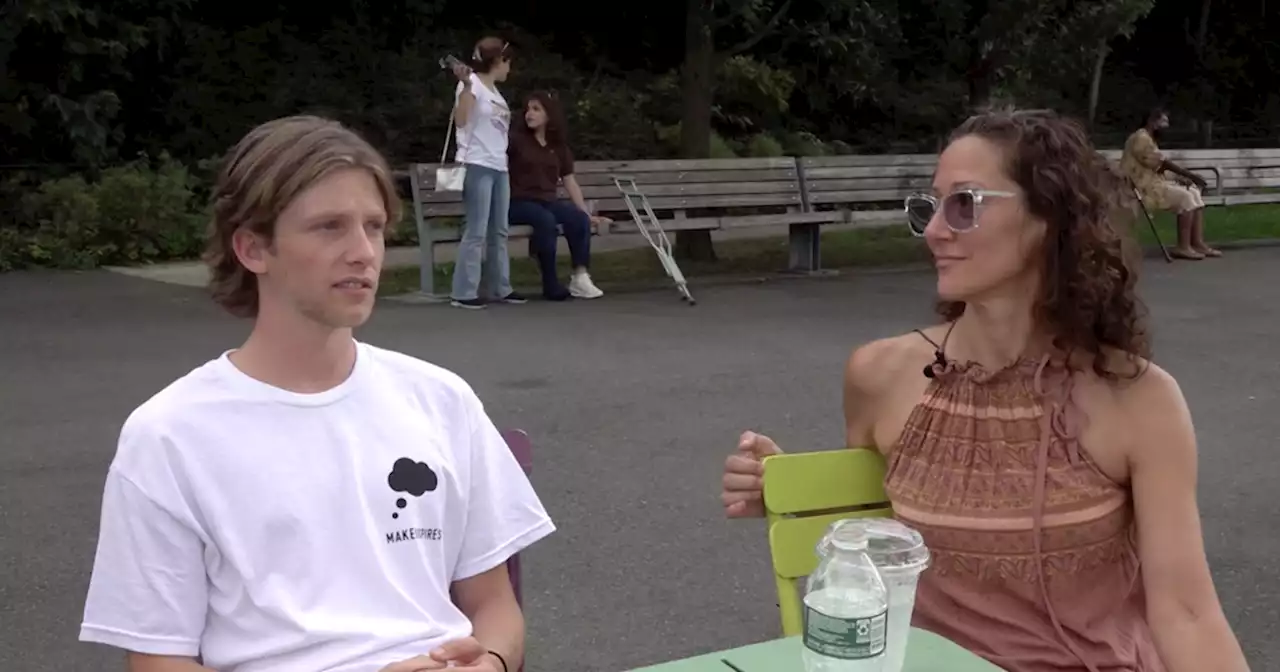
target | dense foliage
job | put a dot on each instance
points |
(111, 114)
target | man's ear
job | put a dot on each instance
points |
(251, 249)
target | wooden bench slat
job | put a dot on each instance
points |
(1251, 199)
(845, 173)
(900, 183)
(426, 171)
(660, 204)
(1250, 173)
(861, 196)
(678, 165)
(866, 161)
(659, 190)
(1267, 182)
(452, 209)
(1242, 164)
(700, 189)
(692, 176)
(689, 181)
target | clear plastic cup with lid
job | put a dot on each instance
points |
(900, 556)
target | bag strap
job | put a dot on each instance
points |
(448, 135)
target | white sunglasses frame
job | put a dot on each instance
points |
(979, 196)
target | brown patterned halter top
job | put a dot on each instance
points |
(1034, 564)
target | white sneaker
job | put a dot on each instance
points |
(581, 287)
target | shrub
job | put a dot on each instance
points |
(61, 227)
(763, 144)
(149, 214)
(134, 213)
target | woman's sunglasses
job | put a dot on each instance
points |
(960, 209)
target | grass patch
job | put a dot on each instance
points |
(888, 246)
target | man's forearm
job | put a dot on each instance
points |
(143, 663)
(499, 626)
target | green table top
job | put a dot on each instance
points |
(926, 652)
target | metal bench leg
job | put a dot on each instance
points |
(806, 248)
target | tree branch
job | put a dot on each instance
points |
(760, 34)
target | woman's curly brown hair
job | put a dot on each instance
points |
(1089, 271)
(557, 129)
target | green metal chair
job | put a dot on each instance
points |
(803, 494)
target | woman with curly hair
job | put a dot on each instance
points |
(1058, 543)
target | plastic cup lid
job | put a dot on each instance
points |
(890, 544)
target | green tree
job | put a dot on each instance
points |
(62, 61)
(718, 30)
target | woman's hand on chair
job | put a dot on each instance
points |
(742, 490)
(598, 221)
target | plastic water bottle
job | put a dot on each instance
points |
(846, 607)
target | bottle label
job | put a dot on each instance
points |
(845, 638)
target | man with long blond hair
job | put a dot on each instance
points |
(308, 501)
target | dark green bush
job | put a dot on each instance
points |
(134, 213)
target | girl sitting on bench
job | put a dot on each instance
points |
(540, 161)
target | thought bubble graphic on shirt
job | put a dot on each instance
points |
(414, 478)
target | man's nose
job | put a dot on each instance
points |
(364, 246)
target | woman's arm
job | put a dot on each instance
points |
(575, 192)
(1191, 632)
(466, 102)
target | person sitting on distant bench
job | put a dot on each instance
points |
(540, 160)
(1146, 166)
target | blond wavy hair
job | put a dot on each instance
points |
(261, 175)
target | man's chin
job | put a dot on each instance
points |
(350, 317)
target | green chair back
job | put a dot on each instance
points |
(803, 494)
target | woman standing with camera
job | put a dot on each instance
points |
(483, 120)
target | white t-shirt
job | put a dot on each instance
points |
(267, 530)
(483, 140)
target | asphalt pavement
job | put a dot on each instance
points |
(632, 402)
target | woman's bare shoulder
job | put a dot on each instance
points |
(1134, 404)
(878, 365)
(1128, 378)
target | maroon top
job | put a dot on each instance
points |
(536, 168)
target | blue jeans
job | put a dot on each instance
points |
(486, 197)
(547, 218)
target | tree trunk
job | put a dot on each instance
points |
(1095, 85)
(980, 72)
(1202, 32)
(979, 91)
(695, 122)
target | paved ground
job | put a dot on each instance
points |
(633, 402)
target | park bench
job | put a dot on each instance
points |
(704, 194)
(864, 190)
(1234, 176)
(869, 189)
(803, 193)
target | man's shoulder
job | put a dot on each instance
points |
(420, 375)
(179, 398)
